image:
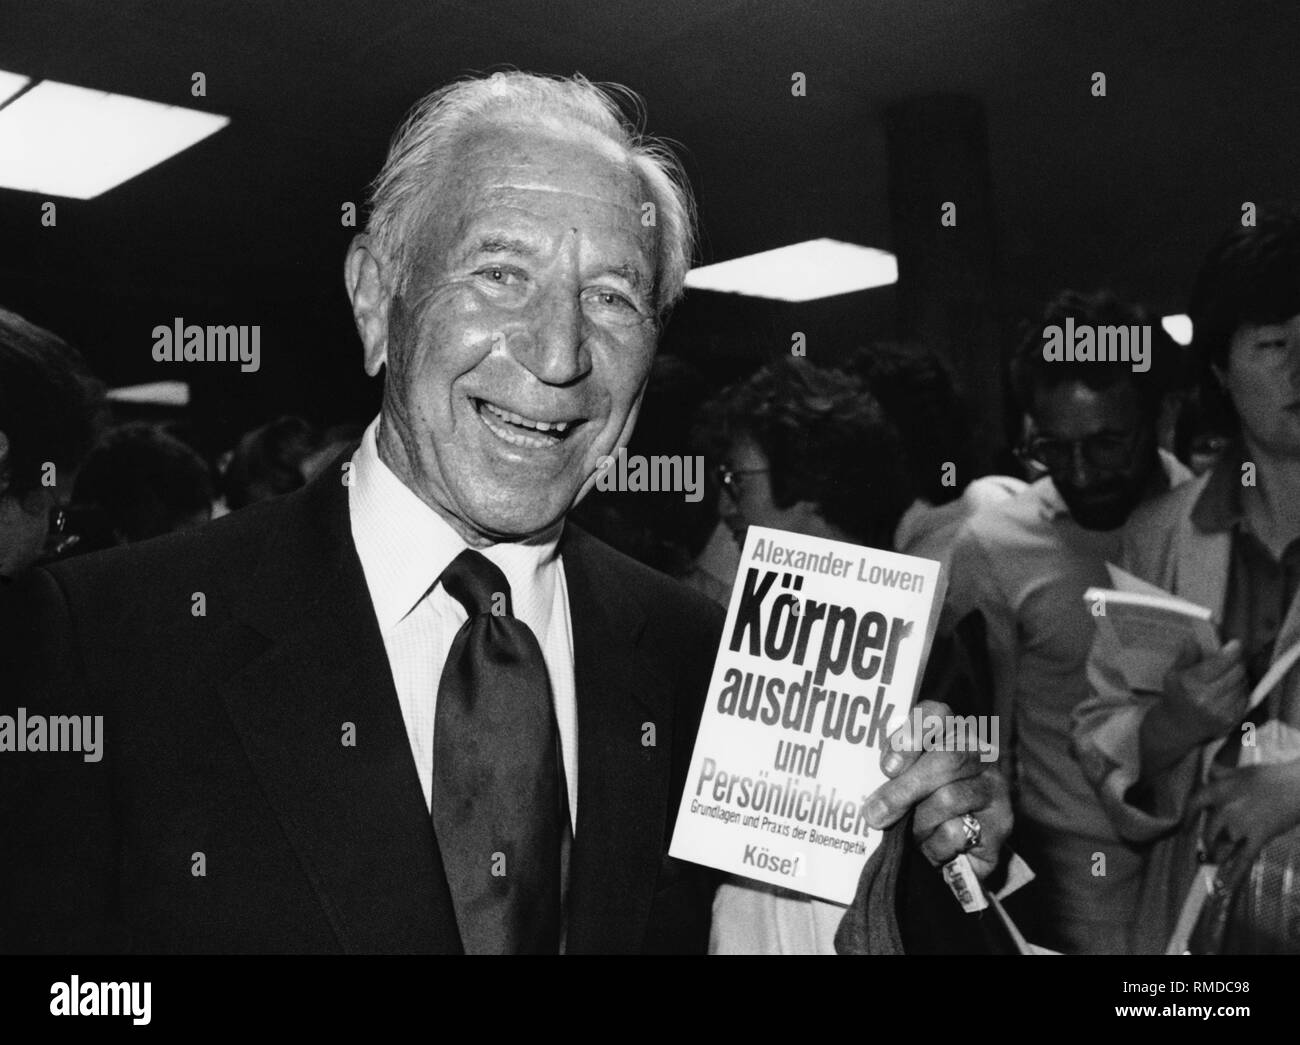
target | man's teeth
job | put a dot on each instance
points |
(542, 426)
(517, 432)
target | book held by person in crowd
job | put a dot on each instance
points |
(1153, 630)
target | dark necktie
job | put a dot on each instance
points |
(499, 802)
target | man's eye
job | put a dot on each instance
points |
(500, 274)
(613, 299)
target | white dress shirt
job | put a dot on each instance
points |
(404, 545)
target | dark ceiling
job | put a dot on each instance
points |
(1202, 112)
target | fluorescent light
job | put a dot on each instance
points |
(156, 393)
(11, 84)
(1178, 327)
(62, 140)
(818, 268)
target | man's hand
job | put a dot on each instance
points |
(1248, 808)
(942, 785)
(1204, 701)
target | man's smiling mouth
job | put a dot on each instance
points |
(518, 430)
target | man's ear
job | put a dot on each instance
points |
(365, 277)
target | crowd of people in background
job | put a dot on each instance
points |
(74, 478)
(1186, 474)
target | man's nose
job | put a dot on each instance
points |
(1081, 473)
(557, 353)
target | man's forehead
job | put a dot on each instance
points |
(547, 187)
(519, 192)
(1076, 405)
(507, 189)
(506, 162)
(542, 210)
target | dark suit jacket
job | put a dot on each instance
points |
(223, 737)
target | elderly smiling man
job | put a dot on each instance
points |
(407, 708)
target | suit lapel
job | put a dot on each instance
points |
(354, 814)
(623, 785)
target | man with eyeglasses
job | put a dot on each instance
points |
(1023, 564)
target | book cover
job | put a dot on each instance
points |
(820, 660)
(1153, 630)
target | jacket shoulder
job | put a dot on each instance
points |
(1153, 527)
(666, 603)
(1168, 507)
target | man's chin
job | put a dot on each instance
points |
(515, 526)
(506, 517)
(1108, 515)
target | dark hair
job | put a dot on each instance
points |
(919, 395)
(1251, 275)
(1030, 372)
(1204, 414)
(827, 441)
(50, 404)
(141, 482)
(268, 461)
(659, 529)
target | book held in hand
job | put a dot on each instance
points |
(1153, 630)
(821, 657)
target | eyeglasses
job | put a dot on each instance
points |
(728, 476)
(1207, 444)
(1105, 450)
(59, 540)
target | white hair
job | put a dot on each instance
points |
(426, 142)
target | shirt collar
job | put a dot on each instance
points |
(404, 545)
(1218, 507)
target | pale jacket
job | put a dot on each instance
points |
(1161, 545)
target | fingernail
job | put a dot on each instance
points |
(877, 812)
(892, 763)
